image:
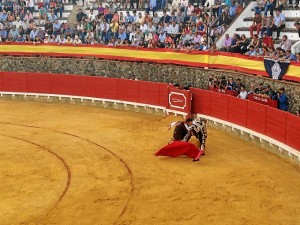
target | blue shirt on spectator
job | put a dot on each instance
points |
(122, 36)
(3, 34)
(33, 34)
(152, 4)
(232, 10)
(278, 19)
(283, 102)
(129, 18)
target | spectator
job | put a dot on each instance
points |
(267, 41)
(266, 23)
(278, 24)
(297, 25)
(227, 43)
(80, 15)
(290, 56)
(298, 57)
(243, 93)
(259, 90)
(283, 101)
(286, 44)
(47, 39)
(268, 92)
(256, 25)
(269, 5)
(14, 33)
(251, 51)
(252, 89)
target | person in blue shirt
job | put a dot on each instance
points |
(3, 34)
(152, 6)
(232, 10)
(129, 18)
(290, 56)
(283, 100)
(122, 35)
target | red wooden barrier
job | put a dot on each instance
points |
(106, 88)
(219, 105)
(293, 131)
(276, 124)
(62, 84)
(85, 86)
(200, 101)
(263, 100)
(38, 83)
(148, 93)
(163, 93)
(179, 100)
(14, 82)
(1, 80)
(128, 90)
(238, 111)
(257, 117)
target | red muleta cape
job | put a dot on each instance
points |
(178, 148)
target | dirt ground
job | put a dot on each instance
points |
(72, 164)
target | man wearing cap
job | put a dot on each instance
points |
(283, 100)
(256, 25)
(278, 24)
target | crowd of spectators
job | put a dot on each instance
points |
(241, 91)
(193, 25)
(261, 42)
(186, 27)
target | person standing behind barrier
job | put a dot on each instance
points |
(283, 100)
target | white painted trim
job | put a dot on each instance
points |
(104, 100)
(271, 141)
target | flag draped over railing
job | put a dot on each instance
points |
(276, 69)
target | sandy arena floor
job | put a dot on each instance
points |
(72, 164)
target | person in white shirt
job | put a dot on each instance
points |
(243, 94)
(76, 40)
(92, 15)
(175, 5)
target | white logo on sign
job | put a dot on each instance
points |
(276, 70)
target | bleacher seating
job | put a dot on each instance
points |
(291, 15)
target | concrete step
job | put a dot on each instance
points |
(289, 25)
(287, 19)
(159, 13)
(291, 36)
(36, 21)
(287, 13)
(64, 14)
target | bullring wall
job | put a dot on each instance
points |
(264, 123)
(197, 77)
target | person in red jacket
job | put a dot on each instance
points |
(267, 41)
